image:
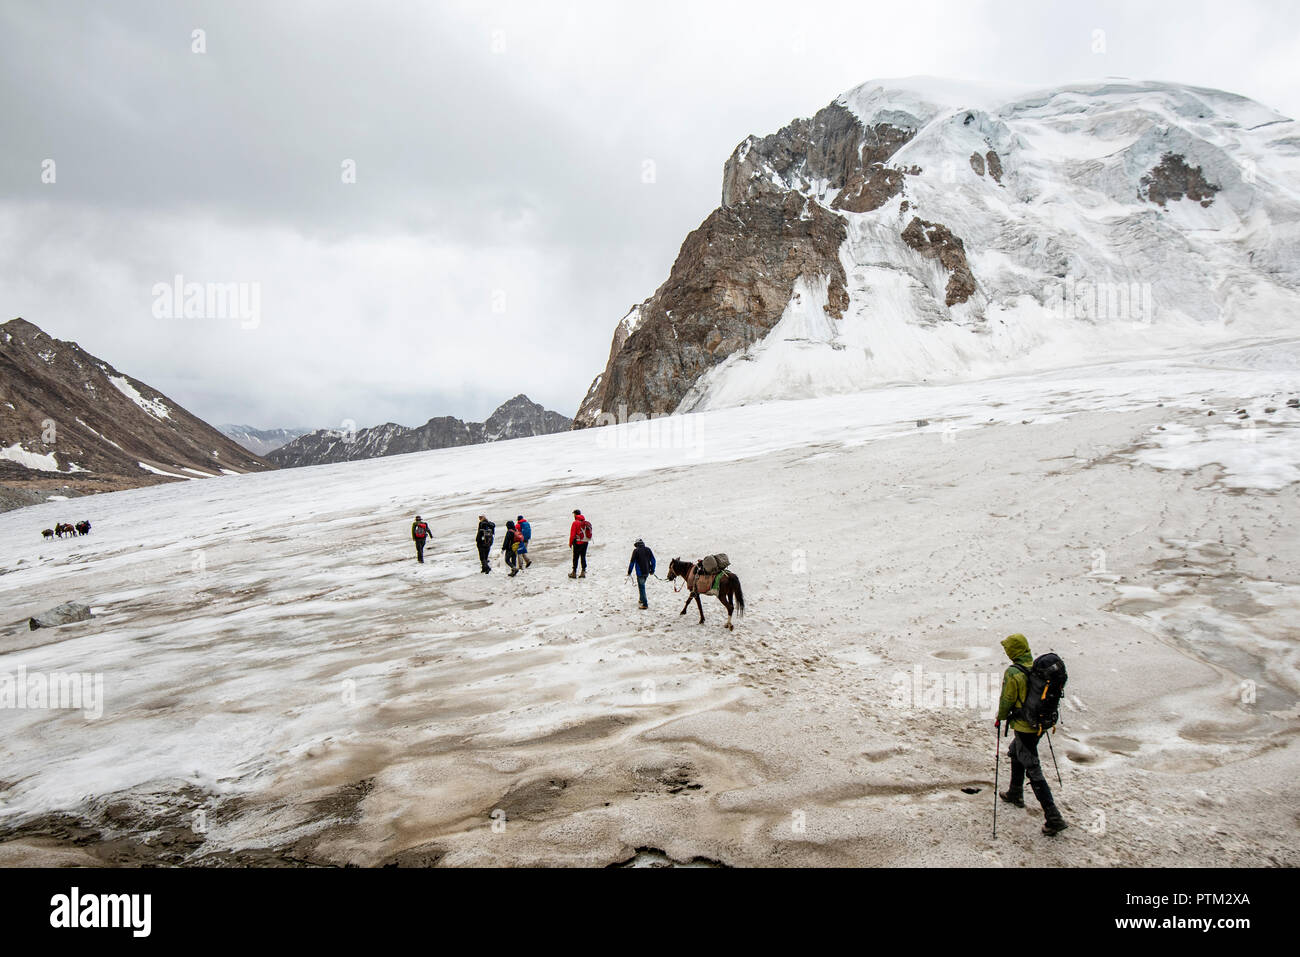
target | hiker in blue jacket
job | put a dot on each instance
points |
(643, 561)
(525, 536)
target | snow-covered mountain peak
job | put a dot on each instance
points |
(950, 230)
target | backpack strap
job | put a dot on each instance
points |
(1017, 714)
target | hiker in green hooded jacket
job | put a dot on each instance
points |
(1024, 745)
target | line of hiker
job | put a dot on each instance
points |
(708, 575)
(514, 548)
(514, 543)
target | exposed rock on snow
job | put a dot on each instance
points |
(64, 614)
(1172, 179)
(936, 241)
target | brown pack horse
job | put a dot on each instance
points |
(729, 592)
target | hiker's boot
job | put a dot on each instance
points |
(1053, 823)
(573, 574)
(1013, 797)
(583, 573)
(528, 563)
(514, 572)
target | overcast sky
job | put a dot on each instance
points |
(501, 221)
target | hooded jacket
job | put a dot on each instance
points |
(575, 528)
(1015, 683)
(643, 560)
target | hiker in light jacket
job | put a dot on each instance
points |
(1024, 743)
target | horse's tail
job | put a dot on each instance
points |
(740, 595)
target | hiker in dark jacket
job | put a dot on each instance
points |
(486, 532)
(420, 535)
(508, 548)
(1024, 743)
(643, 562)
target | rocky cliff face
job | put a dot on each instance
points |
(736, 273)
(919, 230)
(71, 424)
(515, 419)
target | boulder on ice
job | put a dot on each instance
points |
(65, 614)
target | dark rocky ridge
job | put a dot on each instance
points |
(517, 418)
(59, 400)
(832, 147)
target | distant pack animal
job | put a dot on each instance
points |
(725, 584)
(83, 528)
(48, 533)
(63, 528)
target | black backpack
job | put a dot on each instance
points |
(1045, 682)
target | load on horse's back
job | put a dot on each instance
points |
(710, 575)
(713, 564)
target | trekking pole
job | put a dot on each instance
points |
(1052, 750)
(997, 766)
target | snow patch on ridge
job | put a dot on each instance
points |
(31, 460)
(158, 471)
(155, 407)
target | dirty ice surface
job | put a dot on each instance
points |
(280, 678)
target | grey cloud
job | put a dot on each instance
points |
(477, 171)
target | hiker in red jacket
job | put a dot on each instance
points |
(579, 537)
(420, 534)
